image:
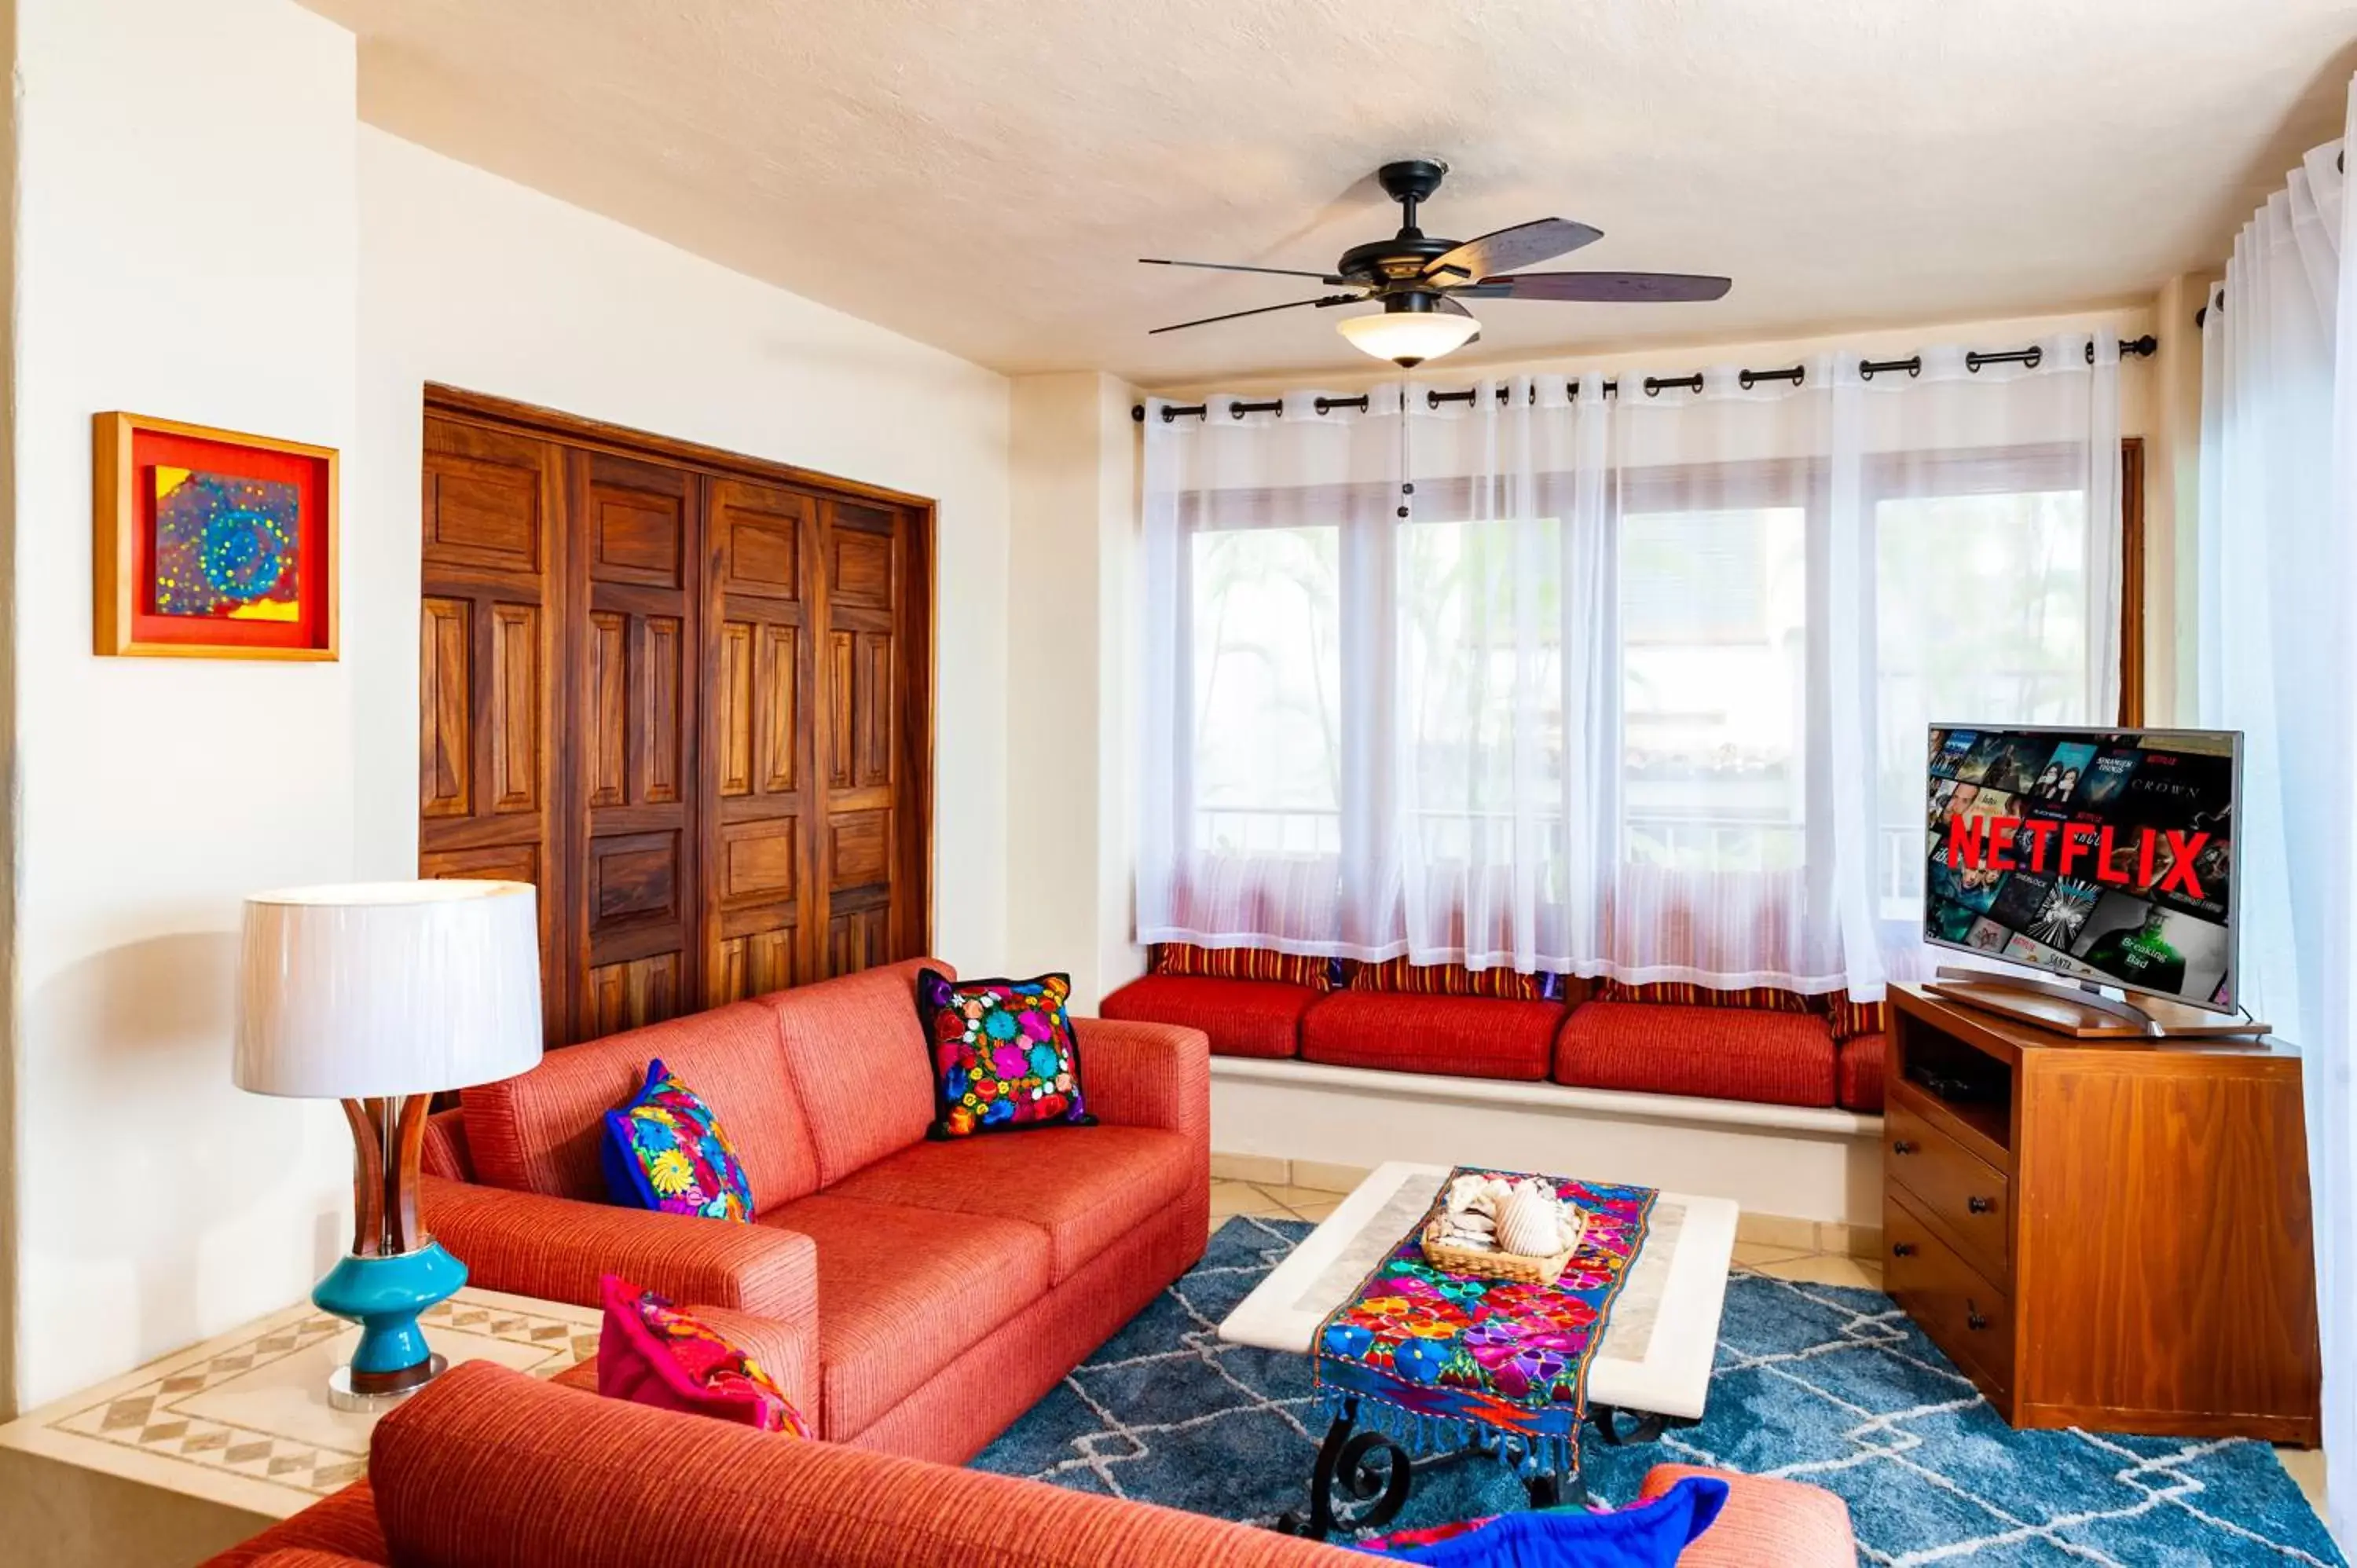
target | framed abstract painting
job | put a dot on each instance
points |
(212, 545)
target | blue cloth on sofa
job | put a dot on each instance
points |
(1650, 1535)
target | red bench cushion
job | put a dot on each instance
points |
(1243, 1017)
(1861, 1072)
(1466, 1036)
(1721, 1053)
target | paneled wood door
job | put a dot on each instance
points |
(686, 695)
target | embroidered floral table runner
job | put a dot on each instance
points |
(1437, 1359)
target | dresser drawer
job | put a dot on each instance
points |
(1970, 1198)
(1966, 1315)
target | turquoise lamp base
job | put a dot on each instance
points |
(384, 1295)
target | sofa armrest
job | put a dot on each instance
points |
(558, 1248)
(1147, 1074)
(340, 1527)
(1788, 1523)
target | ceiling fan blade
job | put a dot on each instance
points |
(1507, 249)
(1238, 267)
(1263, 310)
(1608, 288)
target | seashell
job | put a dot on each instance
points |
(1531, 1225)
(1464, 1192)
(1470, 1222)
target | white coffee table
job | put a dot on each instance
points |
(1653, 1366)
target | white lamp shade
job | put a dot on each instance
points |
(388, 988)
(1408, 336)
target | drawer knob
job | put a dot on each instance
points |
(1980, 1205)
(1903, 1146)
(1902, 1249)
(1973, 1317)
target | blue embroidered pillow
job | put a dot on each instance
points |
(666, 1151)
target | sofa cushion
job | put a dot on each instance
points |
(1085, 1187)
(902, 1292)
(1720, 1053)
(857, 1052)
(1861, 1072)
(1466, 1036)
(1243, 1017)
(542, 1132)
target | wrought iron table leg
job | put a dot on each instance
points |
(1345, 1475)
(1645, 1426)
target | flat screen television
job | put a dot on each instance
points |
(2099, 855)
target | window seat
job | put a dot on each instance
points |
(1791, 1162)
(1762, 1107)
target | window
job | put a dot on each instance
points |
(1982, 614)
(1714, 609)
(1267, 712)
(1633, 686)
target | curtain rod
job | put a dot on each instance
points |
(1655, 385)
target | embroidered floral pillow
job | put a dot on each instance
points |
(1005, 1055)
(666, 1151)
(651, 1353)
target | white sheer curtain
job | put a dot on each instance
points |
(1629, 682)
(2277, 569)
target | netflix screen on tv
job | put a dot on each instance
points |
(2103, 855)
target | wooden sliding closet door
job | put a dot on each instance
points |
(630, 750)
(872, 646)
(757, 842)
(687, 695)
(487, 661)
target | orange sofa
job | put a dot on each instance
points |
(910, 1295)
(488, 1468)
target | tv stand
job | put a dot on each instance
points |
(2080, 1009)
(2112, 1234)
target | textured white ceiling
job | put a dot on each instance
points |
(981, 176)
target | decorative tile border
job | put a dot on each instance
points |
(150, 1425)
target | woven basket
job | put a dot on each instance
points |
(1516, 1267)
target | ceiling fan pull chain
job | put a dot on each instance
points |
(1407, 454)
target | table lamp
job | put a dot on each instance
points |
(381, 994)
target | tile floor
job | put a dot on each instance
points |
(1282, 1198)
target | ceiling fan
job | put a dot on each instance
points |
(1420, 280)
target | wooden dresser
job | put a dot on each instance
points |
(2107, 1234)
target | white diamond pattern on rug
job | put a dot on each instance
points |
(1832, 1386)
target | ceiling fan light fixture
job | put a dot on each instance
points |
(1408, 337)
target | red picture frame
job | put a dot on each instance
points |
(139, 613)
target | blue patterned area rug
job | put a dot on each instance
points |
(1822, 1384)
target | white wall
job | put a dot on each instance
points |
(1070, 803)
(207, 233)
(473, 281)
(185, 248)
